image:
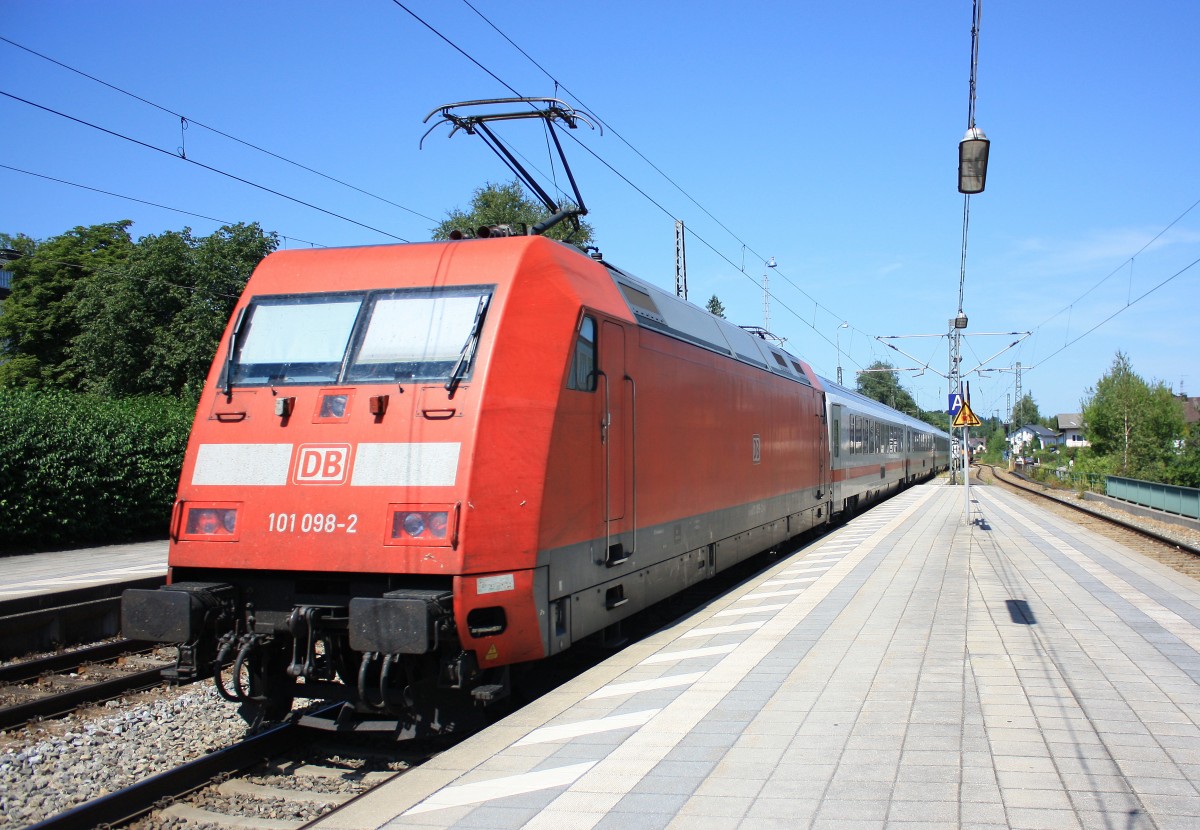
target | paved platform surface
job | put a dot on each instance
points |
(910, 670)
(47, 573)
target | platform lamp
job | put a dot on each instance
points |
(973, 161)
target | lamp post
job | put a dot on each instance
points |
(972, 177)
(838, 335)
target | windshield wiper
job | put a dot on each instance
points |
(468, 350)
(229, 358)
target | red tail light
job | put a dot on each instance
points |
(210, 522)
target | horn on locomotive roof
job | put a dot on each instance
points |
(547, 109)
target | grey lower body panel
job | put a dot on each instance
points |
(587, 593)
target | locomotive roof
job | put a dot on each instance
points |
(662, 311)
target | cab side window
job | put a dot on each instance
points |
(583, 363)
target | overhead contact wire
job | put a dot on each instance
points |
(139, 201)
(261, 187)
(642, 156)
(190, 121)
(622, 176)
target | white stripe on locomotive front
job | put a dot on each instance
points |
(433, 464)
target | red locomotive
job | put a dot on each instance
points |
(415, 466)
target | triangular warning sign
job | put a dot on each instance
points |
(966, 418)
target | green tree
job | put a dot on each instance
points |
(936, 417)
(1186, 470)
(507, 204)
(1025, 413)
(152, 325)
(20, 243)
(1134, 423)
(715, 307)
(996, 443)
(879, 382)
(41, 316)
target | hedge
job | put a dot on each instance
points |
(87, 470)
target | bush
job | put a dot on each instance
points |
(86, 469)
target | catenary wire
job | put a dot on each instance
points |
(194, 122)
(140, 201)
(1123, 308)
(1068, 341)
(558, 84)
(201, 164)
(626, 179)
(189, 122)
(613, 130)
(1127, 261)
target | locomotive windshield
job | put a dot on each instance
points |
(414, 336)
(400, 335)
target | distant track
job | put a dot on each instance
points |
(66, 661)
(1182, 556)
(65, 701)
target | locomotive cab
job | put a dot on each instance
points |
(333, 536)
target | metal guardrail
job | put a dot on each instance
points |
(1182, 501)
(1076, 481)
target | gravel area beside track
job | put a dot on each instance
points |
(52, 766)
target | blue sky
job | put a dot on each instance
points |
(821, 134)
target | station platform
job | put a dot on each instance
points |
(911, 669)
(35, 574)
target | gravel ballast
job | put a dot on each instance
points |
(50, 767)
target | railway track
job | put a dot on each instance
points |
(1163, 545)
(58, 684)
(282, 777)
(289, 775)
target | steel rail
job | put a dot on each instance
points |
(1095, 514)
(65, 661)
(123, 805)
(62, 703)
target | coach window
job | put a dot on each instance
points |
(583, 364)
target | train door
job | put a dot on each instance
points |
(836, 462)
(614, 436)
(824, 452)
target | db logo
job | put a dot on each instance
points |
(322, 464)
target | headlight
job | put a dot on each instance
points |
(420, 526)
